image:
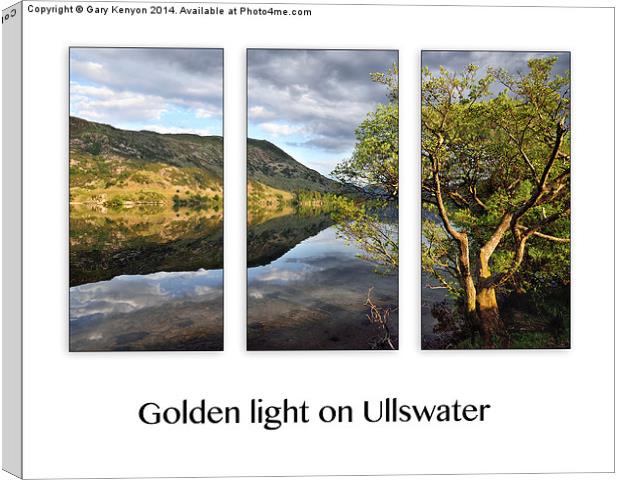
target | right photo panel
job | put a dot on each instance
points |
(496, 197)
(322, 189)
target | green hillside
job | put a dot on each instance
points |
(272, 166)
(114, 167)
(179, 150)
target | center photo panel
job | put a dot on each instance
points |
(322, 199)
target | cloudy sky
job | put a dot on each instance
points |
(163, 90)
(514, 62)
(309, 102)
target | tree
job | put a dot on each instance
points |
(373, 170)
(373, 167)
(496, 182)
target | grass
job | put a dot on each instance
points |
(114, 181)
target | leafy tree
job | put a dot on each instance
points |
(373, 169)
(496, 184)
(377, 238)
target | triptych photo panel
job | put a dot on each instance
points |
(146, 171)
(322, 166)
(146, 199)
(495, 195)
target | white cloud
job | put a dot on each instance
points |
(205, 113)
(277, 275)
(88, 69)
(103, 103)
(82, 91)
(278, 129)
(327, 92)
(202, 290)
(138, 85)
(129, 293)
(258, 112)
(203, 132)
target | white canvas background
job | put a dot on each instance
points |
(552, 410)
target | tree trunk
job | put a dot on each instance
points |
(470, 302)
(489, 319)
(467, 282)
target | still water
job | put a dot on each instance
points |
(312, 297)
(159, 311)
(154, 281)
(146, 280)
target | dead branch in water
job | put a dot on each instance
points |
(381, 318)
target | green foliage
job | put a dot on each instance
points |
(373, 170)
(491, 151)
(496, 172)
(141, 197)
(197, 202)
(374, 234)
(94, 148)
(329, 201)
(390, 80)
(373, 167)
(436, 248)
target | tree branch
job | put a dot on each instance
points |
(443, 213)
(520, 241)
(541, 189)
(551, 237)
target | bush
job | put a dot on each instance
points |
(94, 148)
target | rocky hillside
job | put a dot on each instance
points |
(272, 166)
(115, 167)
(180, 150)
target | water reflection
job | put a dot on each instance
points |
(312, 297)
(271, 238)
(146, 280)
(107, 244)
(130, 293)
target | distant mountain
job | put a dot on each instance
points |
(180, 150)
(274, 167)
(112, 166)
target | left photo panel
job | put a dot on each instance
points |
(146, 197)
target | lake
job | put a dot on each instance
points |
(152, 279)
(145, 279)
(307, 288)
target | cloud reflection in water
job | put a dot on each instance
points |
(312, 256)
(129, 293)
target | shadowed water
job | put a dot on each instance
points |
(312, 297)
(146, 280)
(154, 281)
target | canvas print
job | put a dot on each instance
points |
(146, 199)
(496, 199)
(322, 193)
